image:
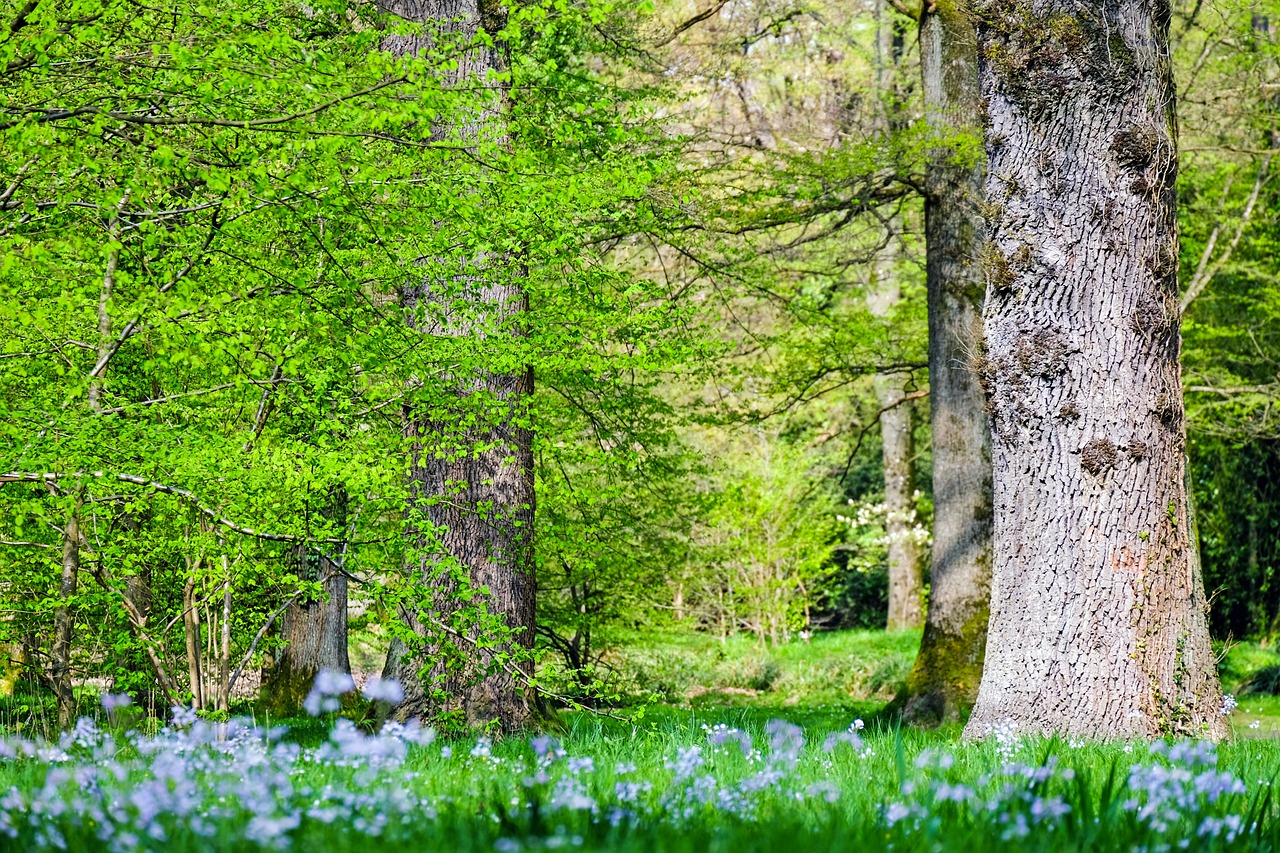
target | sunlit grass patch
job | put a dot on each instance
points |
(675, 780)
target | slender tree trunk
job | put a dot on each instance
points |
(472, 508)
(1098, 625)
(64, 620)
(191, 630)
(906, 582)
(943, 684)
(224, 653)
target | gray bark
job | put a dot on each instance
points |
(897, 444)
(64, 621)
(314, 635)
(1098, 624)
(191, 631)
(906, 580)
(475, 507)
(943, 684)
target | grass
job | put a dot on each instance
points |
(456, 796)
(646, 788)
(701, 671)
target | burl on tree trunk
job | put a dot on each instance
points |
(1098, 624)
(943, 684)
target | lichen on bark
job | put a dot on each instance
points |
(1098, 624)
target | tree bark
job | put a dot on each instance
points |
(1098, 624)
(191, 630)
(906, 579)
(64, 621)
(471, 490)
(943, 683)
(224, 651)
(314, 633)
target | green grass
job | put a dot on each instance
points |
(467, 803)
(442, 797)
(847, 668)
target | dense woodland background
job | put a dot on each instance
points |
(238, 243)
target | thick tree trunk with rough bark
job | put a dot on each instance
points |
(473, 508)
(943, 684)
(314, 629)
(1098, 625)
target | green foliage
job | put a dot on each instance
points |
(759, 561)
(205, 240)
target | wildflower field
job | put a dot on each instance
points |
(809, 776)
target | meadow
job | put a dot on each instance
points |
(781, 764)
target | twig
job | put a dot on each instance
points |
(262, 632)
(862, 433)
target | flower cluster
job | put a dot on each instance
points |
(206, 785)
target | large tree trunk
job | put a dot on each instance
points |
(472, 490)
(314, 631)
(943, 684)
(1098, 624)
(64, 621)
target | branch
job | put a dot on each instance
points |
(1240, 389)
(1205, 272)
(115, 410)
(132, 326)
(262, 632)
(264, 409)
(913, 14)
(247, 124)
(104, 306)
(862, 433)
(52, 477)
(692, 22)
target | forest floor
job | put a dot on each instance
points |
(847, 674)
(719, 747)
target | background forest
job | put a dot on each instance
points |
(486, 425)
(216, 370)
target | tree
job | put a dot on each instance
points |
(1098, 623)
(313, 627)
(897, 432)
(943, 683)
